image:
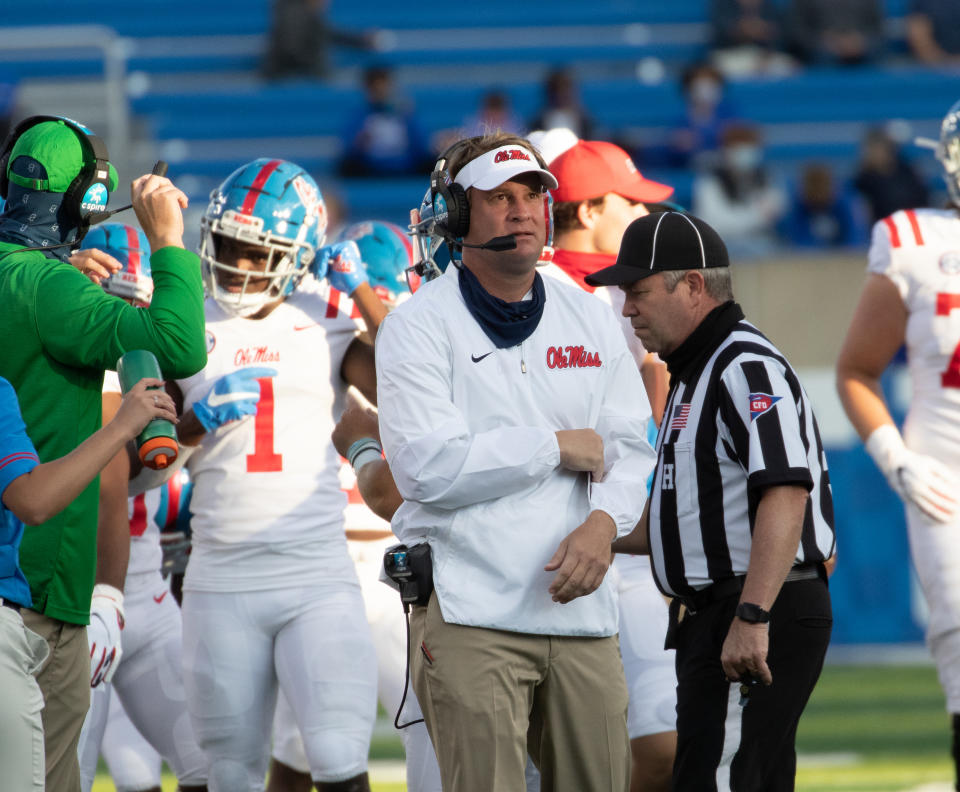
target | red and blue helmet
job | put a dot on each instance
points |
(387, 253)
(273, 204)
(130, 247)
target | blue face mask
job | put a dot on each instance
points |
(33, 219)
(505, 324)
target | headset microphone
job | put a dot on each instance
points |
(160, 169)
(499, 244)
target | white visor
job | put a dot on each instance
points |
(495, 167)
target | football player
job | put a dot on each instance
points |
(912, 297)
(131, 596)
(386, 251)
(271, 597)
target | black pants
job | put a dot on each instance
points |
(708, 712)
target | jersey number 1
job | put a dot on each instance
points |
(264, 459)
(945, 304)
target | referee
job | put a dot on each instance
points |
(740, 518)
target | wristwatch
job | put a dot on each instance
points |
(752, 614)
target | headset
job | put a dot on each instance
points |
(86, 196)
(451, 208)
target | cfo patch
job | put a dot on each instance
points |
(761, 403)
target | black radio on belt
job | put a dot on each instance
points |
(411, 568)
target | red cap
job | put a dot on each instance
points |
(593, 168)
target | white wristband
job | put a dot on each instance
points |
(111, 593)
(886, 447)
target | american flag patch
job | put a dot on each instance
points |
(680, 413)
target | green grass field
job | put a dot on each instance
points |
(866, 729)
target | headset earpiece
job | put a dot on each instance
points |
(451, 206)
(87, 193)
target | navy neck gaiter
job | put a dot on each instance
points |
(506, 324)
(33, 219)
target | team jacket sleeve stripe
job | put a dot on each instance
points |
(894, 233)
(915, 226)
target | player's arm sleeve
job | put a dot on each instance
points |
(763, 413)
(82, 326)
(880, 260)
(628, 457)
(435, 456)
(17, 454)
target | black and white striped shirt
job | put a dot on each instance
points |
(737, 421)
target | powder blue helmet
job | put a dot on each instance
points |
(387, 254)
(130, 247)
(275, 205)
(948, 151)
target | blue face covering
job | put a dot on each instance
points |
(34, 219)
(506, 324)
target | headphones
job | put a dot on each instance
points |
(87, 193)
(451, 209)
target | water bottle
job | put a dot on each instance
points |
(157, 443)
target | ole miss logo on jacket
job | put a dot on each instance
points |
(572, 357)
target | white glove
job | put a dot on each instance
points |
(103, 633)
(918, 479)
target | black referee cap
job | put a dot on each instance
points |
(663, 241)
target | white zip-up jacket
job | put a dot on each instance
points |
(469, 433)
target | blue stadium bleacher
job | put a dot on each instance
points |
(207, 104)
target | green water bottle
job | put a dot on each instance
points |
(157, 443)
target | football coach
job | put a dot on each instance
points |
(513, 418)
(740, 516)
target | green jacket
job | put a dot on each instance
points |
(59, 332)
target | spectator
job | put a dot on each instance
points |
(562, 106)
(62, 333)
(844, 32)
(885, 179)
(821, 215)
(494, 115)
(748, 36)
(696, 137)
(383, 139)
(933, 31)
(300, 40)
(738, 196)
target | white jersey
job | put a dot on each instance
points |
(267, 505)
(919, 251)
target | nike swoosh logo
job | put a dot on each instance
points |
(159, 599)
(478, 358)
(217, 399)
(306, 326)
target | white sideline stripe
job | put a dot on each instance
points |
(833, 759)
(390, 771)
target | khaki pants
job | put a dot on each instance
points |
(21, 727)
(490, 696)
(65, 683)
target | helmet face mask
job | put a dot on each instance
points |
(948, 152)
(270, 205)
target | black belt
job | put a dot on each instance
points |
(8, 604)
(722, 589)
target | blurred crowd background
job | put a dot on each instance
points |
(789, 125)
